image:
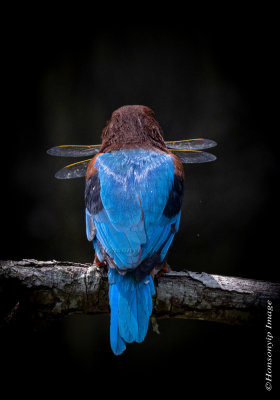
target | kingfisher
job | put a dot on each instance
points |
(134, 187)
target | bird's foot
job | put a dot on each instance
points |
(164, 270)
(99, 263)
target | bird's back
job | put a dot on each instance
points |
(134, 189)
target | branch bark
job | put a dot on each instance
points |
(55, 288)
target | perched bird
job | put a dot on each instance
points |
(133, 196)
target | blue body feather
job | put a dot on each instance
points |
(128, 227)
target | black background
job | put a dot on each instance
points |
(211, 76)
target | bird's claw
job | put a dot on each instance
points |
(164, 270)
(98, 263)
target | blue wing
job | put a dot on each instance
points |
(133, 207)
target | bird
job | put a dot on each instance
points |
(134, 188)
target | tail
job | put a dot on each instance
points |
(131, 307)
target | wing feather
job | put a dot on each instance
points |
(135, 186)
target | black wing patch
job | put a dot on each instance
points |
(92, 195)
(90, 227)
(175, 199)
(153, 261)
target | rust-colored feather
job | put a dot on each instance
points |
(131, 127)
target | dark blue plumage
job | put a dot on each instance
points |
(133, 202)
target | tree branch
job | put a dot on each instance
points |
(55, 288)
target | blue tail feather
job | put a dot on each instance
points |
(117, 343)
(131, 307)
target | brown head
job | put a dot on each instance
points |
(132, 127)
